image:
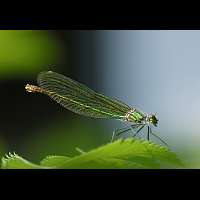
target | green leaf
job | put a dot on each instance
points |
(54, 161)
(121, 154)
(13, 161)
(129, 153)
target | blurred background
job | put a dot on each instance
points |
(155, 71)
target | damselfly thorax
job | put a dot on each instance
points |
(133, 115)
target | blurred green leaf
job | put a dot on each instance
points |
(191, 156)
(25, 51)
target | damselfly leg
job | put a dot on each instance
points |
(137, 132)
(123, 130)
(159, 138)
(148, 133)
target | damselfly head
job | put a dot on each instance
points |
(153, 119)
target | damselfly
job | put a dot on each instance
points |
(84, 101)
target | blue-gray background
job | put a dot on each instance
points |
(158, 71)
(155, 71)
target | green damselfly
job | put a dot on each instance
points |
(84, 101)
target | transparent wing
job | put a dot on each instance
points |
(79, 98)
